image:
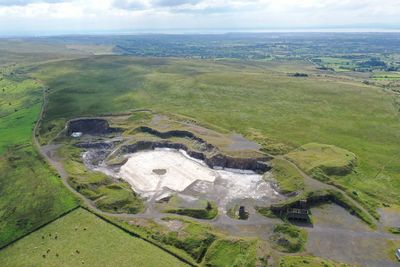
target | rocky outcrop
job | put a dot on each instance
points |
(217, 161)
(237, 163)
(148, 145)
(175, 133)
(89, 126)
(98, 145)
(93, 158)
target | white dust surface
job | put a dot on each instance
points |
(181, 171)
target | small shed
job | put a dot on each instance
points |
(298, 211)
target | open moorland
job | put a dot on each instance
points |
(255, 99)
(287, 159)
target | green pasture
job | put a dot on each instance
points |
(230, 252)
(82, 239)
(288, 178)
(31, 193)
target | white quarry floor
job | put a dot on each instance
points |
(182, 171)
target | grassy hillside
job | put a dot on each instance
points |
(31, 194)
(16, 128)
(82, 239)
(20, 100)
(329, 159)
(258, 100)
(16, 51)
(231, 253)
(288, 178)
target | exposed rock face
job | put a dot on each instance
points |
(89, 126)
(196, 155)
(94, 157)
(147, 145)
(237, 163)
(219, 160)
(175, 133)
(98, 145)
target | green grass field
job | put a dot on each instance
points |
(392, 75)
(330, 159)
(338, 64)
(226, 253)
(16, 128)
(201, 209)
(190, 241)
(256, 99)
(289, 179)
(322, 161)
(17, 94)
(20, 100)
(82, 239)
(107, 194)
(31, 194)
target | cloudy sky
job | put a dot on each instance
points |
(108, 16)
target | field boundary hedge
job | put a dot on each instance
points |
(139, 236)
(40, 227)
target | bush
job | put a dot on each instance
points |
(288, 238)
(208, 213)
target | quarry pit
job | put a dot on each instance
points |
(159, 173)
(177, 163)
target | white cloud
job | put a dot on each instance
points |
(26, 2)
(172, 3)
(129, 5)
(111, 15)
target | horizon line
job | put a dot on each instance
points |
(177, 31)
